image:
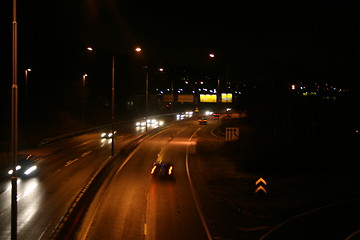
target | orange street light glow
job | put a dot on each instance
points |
(138, 49)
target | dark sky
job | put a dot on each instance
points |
(254, 39)
(256, 42)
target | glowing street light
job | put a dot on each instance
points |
(89, 49)
(138, 50)
(211, 55)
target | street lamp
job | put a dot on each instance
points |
(138, 50)
(90, 49)
(83, 97)
(26, 101)
(14, 125)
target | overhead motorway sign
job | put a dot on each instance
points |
(226, 97)
(167, 98)
(185, 98)
(232, 134)
(211, 98)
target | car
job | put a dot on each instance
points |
(26, 166)
(162, 169)
(107, 135)
(202, 121)
(216, 114)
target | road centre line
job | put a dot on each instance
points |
(71, 162)
(75, 159)
(85, 153)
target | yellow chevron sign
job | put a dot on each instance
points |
(260, 182)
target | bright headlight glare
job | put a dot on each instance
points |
(30, 170)
(18, 167)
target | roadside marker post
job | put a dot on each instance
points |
(232, 134)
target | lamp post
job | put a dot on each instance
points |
(139, 50)
(26, 101)
(90, 49)
(218, 95)
(14, 127)
(112, 105)
(83, 97)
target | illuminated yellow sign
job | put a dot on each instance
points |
(208, 98)
(226, 97)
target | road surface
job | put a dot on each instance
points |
(65, 168)
(135, 205)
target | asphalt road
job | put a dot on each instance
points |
(65, 168)
(135, 205)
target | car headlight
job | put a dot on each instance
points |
(103, 134)
(30, 170)
(18, 167)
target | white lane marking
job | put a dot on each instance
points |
(85, 153)
(74, 160)
(197, 204)
(145, 229)
(71, 162)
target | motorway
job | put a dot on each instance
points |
(65, 167)
(135, 205)
(132, 204)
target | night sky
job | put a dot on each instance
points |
(258, 42)
(265, 44)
